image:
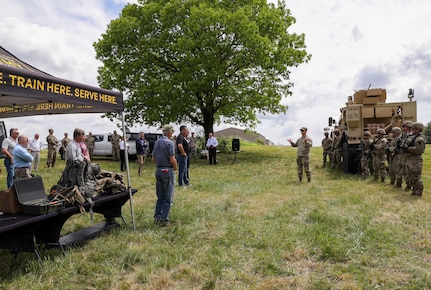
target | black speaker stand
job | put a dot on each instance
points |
(235, 160)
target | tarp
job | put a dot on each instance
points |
(27, 91)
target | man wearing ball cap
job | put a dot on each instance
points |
(414, 162)
(303, 153)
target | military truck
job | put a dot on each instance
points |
(367, 110)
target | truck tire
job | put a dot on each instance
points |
(351, 158)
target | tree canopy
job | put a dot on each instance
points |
(201, 61)
(427, 132)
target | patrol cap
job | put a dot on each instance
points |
(367, 133)
(303, 129)
(167, 128)
(396, 130)
(418, 125)
(407, 124)
(381, 131)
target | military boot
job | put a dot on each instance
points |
(308, 178)
(383, 180)
(408, 187)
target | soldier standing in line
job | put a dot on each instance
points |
(115, 141)
(414, 148)
(379, 156)
(366, 154)
(64, 142)
(89, 141)
(393, 154)
(52, 148)
(336, 150)
(303, 153)
(402, 171)
(326, 145)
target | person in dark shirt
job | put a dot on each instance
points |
(182, 155)
(164, 157)
(141, 151)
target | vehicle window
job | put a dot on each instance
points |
(132, 136)
(98, 138)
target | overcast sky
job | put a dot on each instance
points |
(353, 44)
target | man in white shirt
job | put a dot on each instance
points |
(212, 148)
(7, 148)
(35, 146)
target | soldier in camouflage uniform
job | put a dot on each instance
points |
(326, 145)
(52, 148)
(303, 154)
(414, 148)
(336, 150)
(394, 155)
(89, 142)
(366, 154)
(402, 171)
(379, 156)
(115, 141)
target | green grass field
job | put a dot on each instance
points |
(249, 225)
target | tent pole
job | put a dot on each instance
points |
(126, 159)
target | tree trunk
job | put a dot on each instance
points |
(208, 125)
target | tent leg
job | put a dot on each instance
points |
(126, 158)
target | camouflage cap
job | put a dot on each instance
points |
(168, 128)
(418, 125)
(336, 131)
(303, 129)
(396, 130)
(367, 133)
(381, 131)
(407, 124)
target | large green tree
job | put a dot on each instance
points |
(200, 61)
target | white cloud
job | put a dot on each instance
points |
(354, 43)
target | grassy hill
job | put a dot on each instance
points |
(249, 225)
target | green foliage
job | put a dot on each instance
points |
(250, 225)
(200, 60)
(427, 132)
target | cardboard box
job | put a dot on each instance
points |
(9, 202)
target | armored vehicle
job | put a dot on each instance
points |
(367, 110)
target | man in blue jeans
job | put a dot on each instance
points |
(164, 157)
(7, 147)
(182, 155)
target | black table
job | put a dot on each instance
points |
(20, 231)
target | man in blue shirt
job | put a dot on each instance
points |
(22, 158)
(164, 157)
